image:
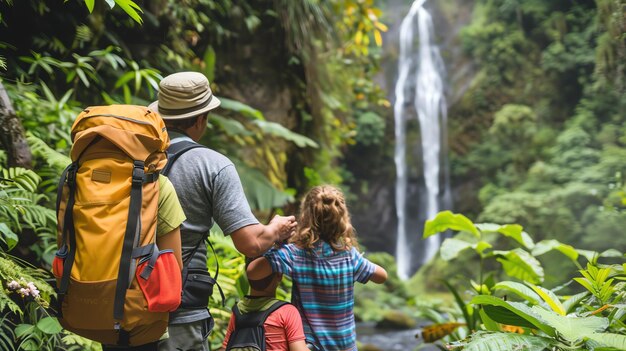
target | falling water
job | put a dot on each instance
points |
(419, 81)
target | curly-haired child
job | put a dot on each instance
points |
(323, 263)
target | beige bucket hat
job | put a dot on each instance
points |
(184, 95)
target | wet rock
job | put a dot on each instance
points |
(397, 320)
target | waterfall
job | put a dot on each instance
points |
(420, 71)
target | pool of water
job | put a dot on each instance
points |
(390, 340)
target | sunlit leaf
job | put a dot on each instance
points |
(550, 298)
(514, 231)
(545, 246)
(617, 341)
(520, 264)
(131, 9)
(572, 328)
(447, 220)
(520, 290)
(90, 4)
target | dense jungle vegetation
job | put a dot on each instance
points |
(538, 145)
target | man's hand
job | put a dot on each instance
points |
(254, 240)
(285, 226)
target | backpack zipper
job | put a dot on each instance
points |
(120, 117)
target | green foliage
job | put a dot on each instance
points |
(544, 318)
(132, 9)
(370, 129)
(484, 341)
(19, 207)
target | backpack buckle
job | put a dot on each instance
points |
(138, 171)
(71, 173)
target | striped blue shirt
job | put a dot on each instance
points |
(324, 290)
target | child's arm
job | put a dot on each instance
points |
(299, 345)
(379, 276)
(259, 269)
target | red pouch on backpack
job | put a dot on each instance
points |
(58, 261)
(161, 283)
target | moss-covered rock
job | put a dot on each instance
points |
(396, 320)
(368, 347)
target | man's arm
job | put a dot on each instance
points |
(253, 240)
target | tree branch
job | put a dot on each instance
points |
(12, 134)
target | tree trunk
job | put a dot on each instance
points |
(12, 134)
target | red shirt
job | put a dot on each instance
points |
(282, 327)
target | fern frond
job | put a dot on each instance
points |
(54, 158)
(6, 304)
(6, 331)
(22, 178)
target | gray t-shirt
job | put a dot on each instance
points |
(209, 190)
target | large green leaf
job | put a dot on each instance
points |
(260, 192)
(617, 341)
(231, 126)
(520, 290)
(572, 328)
(241, 108)
(489, 323)
(520, 264)
(447, 220)
(513, 231)
(280, 131)
(512, 313)
(451, 247)
(49, 325)
(23, 329)
(482, 341)
(545, 246)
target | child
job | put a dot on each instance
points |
(283, 327)
(323, 263)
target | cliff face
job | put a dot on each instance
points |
(373, 209)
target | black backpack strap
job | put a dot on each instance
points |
(133, 230)
(249, 327)
(68, 231)
(176, 150)
(173, 153)
(255, 319)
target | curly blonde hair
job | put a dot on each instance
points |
(324, 215)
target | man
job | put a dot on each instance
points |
(209, 190)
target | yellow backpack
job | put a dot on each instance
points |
(107, 211)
